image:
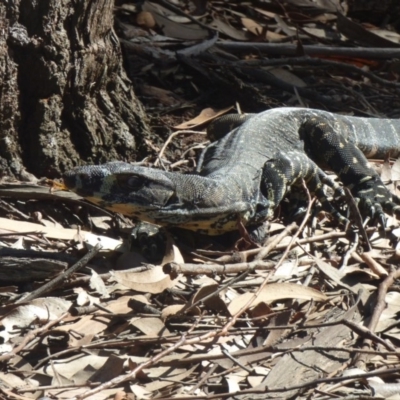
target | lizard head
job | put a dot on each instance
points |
(121, 187)
(164, 198)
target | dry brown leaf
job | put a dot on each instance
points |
(171, 28)
(274, 37)
(287, 76)
(163, 96)
(13, 381)
(336, 275)
(319, 33)
(228, 30)
(274, 292)
(80, 340)
(175, 378)
(357, 32)
(130, 259)
(269, 14)
(213, 303)
(62, 393)
(140, 392)
(145, 19)
(390, 315)
(77, 369)
(87, 325)
(252, 26)
(206, 115)
(111, 369)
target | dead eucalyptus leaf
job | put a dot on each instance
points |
(206, 115)
(151, 281)
(274, 292)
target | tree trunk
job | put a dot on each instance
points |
(64, 96)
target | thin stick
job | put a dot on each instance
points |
(58, 280)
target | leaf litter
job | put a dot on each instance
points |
(312, 313)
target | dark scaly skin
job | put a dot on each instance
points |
(246, 173)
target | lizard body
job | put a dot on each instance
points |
(245, 173)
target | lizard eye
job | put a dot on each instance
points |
(82, 176)
(135, 183)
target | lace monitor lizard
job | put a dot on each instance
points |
(246, 172)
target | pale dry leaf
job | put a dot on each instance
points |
(111, 369)
(269, 14)
(259, 370)
(319, 33)
(396, 170)
(379, 242)
(13, 381)
(388, 35)
(140, 392)
(170, 311)
(140, 298)
(388, 391)
(103, 222)
(107, 243)
(172, 380)
(389, 315)
(151, 326)
(287, 269)
(151, 281)
(98, 285)
(274, 292)
(233, 385)
(84, 298)
(203, 281)
(78, 341)
(214, 303)
(357, 32)
(172, 254)
(162, 372)
(50, 224)
(362, 273)
(386, 172)
(77, 367)
(353, 371)
(336, 275)
(289, 31)
(87, 325)
(274, 37)
(252, 26)
(255, 380)
(62, 393)
(206, 115)
(40, 310)
(18, 244)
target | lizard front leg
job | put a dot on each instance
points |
(291, 169)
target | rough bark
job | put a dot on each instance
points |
(64, 96)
